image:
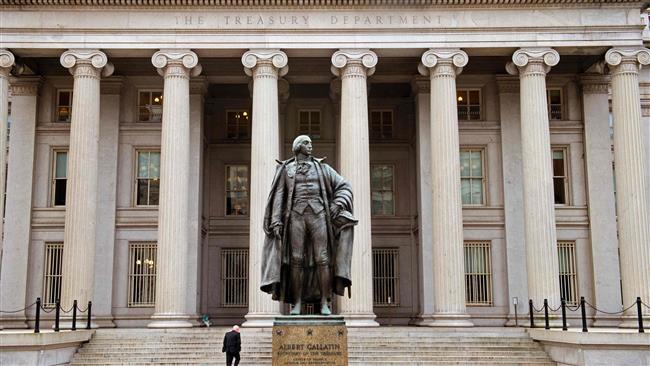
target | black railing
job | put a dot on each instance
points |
(583, 312)
(57, 314)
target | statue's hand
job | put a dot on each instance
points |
(334, 210)
(277, 232)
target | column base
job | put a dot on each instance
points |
(259, 320)
(423, 320)
(449, 320)
(14, 323)
(170, 321)
(360, 320)
(607, 321)
(632, 322)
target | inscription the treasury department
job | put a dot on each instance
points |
(309, 226)
(266, 20)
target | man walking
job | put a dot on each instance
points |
(232, 346)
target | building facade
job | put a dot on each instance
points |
(498, 153)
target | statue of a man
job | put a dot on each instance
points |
(309, 231)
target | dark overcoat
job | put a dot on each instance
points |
(276, 253)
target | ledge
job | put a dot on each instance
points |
(47, 339)
(303, 3)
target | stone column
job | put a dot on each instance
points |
(176, 66)
(532, 65)
(442, 66)
(265, 66)
(353, 67)
(6, 63)
(421, 87)
(87, 67)
(632, 208)
(600, 192)
(513, 197)
(20, 176)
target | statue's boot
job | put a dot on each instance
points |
(296, 287)
(325, 283)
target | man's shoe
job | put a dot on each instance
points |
(325, 310)
(296, 309)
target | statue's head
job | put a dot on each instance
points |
(302, 144)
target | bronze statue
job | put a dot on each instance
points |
(309, 231)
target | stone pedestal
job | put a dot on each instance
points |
(265, 66)
(176, 66)
(310, 340)
(442, 66)
(532, 65)
(354, 67)
(632, 208)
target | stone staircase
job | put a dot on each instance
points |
(366, 346)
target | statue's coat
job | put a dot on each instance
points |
(276, 253)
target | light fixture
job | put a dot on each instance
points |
(138, 262)
(460, 98)
(245, 114)
(156, 99)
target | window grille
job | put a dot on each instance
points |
(382, 188)
(234, 277)
(236, 190)
(381, 124)
(560, 176)
(554, 99)
(150, 105)
(63, 105)
(142, 275)
(385, 279)
(472, 177)
(468, 102)
(309, 123)
(59, 177)
(478, 273)
(52, 274)
(566, 251)
(148, 178)
(238, 124)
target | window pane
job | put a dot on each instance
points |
(387, 208)
(157, 98)
(154, 191)
(465, 191)
(464, 164)
(474, 97)
(64, 98)
(461, 97)
(61, 164)
(143, 192)
(559, 191)
(476, 168)
(477, 191)
(474, 112)
(555, 96)
(144, 98)
(59, 192)
(143, 164)
(154, 165)
(558, 163)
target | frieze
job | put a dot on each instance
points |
(301, 3)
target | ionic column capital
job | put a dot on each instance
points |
(362, 60)
(532, 60)
(627, 59)
(87, 62)
(259, 62)
(169, 62)
(594, 83)
(7, 61)
(443, 61)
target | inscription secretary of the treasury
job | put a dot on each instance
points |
(309, 232)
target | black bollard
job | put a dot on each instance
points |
(74, 315)
(57, 315)
(546, 325)
(639, 314)
(90, 307)
(564, 327)
(584, 314)
(37, 324)
(530, 311)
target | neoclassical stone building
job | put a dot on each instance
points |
(498, 153)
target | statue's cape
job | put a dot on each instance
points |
(276, 253)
